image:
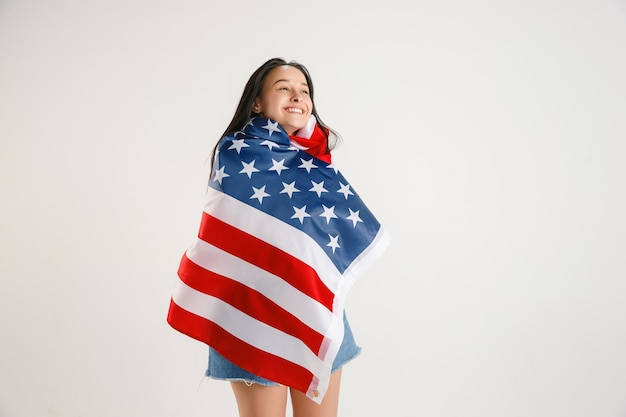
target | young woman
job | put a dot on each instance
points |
(283, 237)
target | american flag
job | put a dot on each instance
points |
(283, 236)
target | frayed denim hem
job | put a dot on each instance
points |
(341, 364)
(253, 379)
(248, 382)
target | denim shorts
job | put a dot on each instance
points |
(222, 368)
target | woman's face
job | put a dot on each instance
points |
(285, 98)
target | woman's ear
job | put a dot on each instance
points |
(256, 106)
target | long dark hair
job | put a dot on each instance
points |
(253, 89)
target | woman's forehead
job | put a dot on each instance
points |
(286, 73)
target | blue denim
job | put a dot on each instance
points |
(222, 368)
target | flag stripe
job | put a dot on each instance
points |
(268, 257)
(232, 348)
(248, 301)
(276, 289)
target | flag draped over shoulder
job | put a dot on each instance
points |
(282, 238)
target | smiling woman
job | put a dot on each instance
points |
(285, 98)
(288, 77)
(282, 239)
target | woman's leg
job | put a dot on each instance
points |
(304, 407)
(259, 400)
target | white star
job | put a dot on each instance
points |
(354, 216)
(318, 187)
(345, 190)
(289, 188)
(220, 174)
(300, 213)
(259, 194)
(308, 165)
(271, 127)
(248, 168)
(269, 143)
(329, 213)
(333, 242)
(278, 166)
(238, 144)
(333, 167)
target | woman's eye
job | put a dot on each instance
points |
(305, 92)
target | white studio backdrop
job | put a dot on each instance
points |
(489, 138)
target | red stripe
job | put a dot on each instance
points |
(246, 356)
(249, 301)
(265, 256)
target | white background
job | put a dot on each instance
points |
(489, 137)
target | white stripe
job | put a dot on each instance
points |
(307, 309)
(274, 232)
(246, 328)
